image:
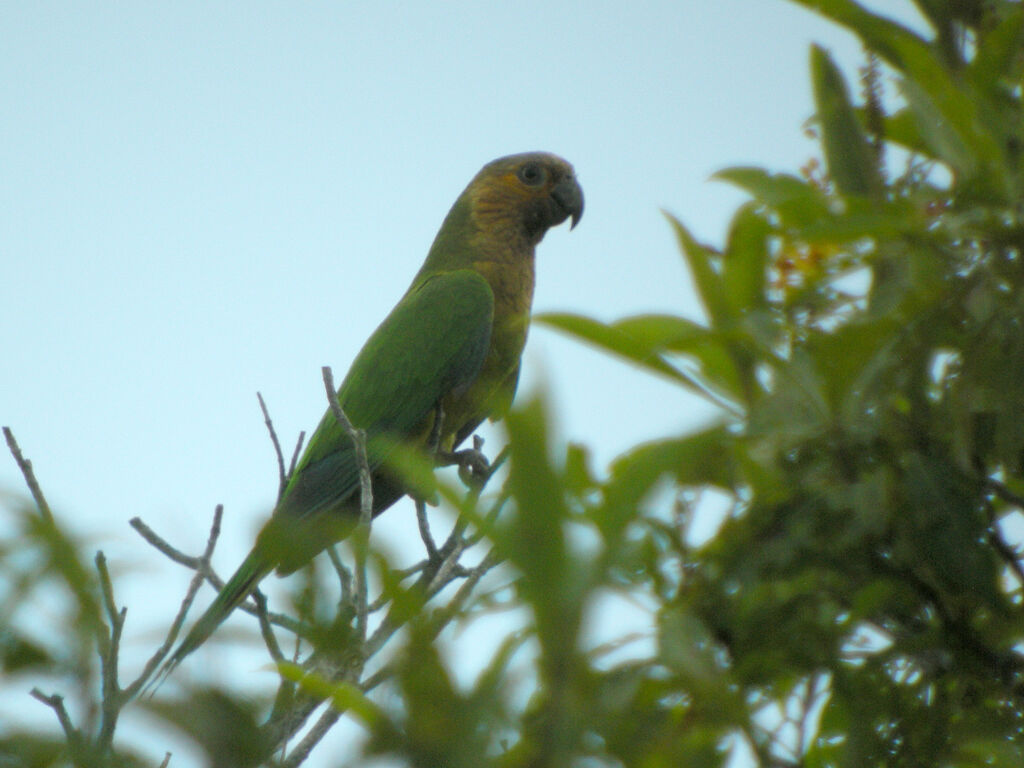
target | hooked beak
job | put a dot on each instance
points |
(569, 196)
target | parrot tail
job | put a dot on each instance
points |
(239, 587)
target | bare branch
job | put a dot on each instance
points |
(109, 651)
(296, 452)
(166, 549)
(344, 577)
(196, 564)
(362, 533)
(312, 738)
(265, 628)
(56, 703)
(282, 478)
(444, 615)
(202, 568)
(421, 519)
(358, 437)
(30, 478)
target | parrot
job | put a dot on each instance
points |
(446, 358)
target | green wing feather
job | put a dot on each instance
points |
(433, 342)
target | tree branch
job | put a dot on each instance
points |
(30, 478)
(361, 536)
(282, 478)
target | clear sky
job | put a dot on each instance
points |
(201, 200)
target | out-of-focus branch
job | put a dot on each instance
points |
(30, 478)
(196, 564)
(112, 699)
(282, 478)
(56, 703)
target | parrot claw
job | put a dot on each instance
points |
(474, 468)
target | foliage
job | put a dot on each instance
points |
(861, 602)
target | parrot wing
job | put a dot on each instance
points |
(433, 342)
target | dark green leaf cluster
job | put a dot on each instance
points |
(864, 338)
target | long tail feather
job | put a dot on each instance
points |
(239, 587)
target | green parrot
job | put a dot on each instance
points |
(445, 359)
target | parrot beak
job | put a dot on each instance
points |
(569, 196)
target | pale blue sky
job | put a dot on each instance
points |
(202, 200)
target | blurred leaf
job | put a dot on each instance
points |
(31, 750)
(18, 653)
(797, 202)
(685, 644)
(943, 141)
(998, 59)
(915, 60)
(641, 340)
(851, 163)
(344, 696)
(706, 277)
(746, 261)
(224, 727)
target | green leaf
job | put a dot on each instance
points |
(796, 201)
(703, 459)
(851, 163)
(901, 128)
(706, 278)
(344, 696)
(918, 61)
(668, 334)
(225, 727)
(533, 540)
(797, 407)
(944, 142)
(745, 261)
(685, 645)
(17, 653)
(850, 360)
(638, 341)
(997, 58)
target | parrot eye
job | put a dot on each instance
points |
(532, 174)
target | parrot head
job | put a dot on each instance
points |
(532, 191)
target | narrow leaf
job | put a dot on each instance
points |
(851, 163)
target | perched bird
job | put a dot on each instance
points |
(445, 359)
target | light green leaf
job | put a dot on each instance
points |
(706, 277)
(745, 261)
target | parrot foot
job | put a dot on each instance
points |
(474, 468)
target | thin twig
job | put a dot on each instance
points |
(56, 703)
(344, 577)
(312, 738)
(282, 479)
(110, 650)
(195, 564)
(444, 615)
(424, 524)
(362, 533)
(201, 569)
(265, 628)
(192, 563)
(358, 437)
(295, 453)
(30, 478)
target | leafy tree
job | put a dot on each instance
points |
(861, 602)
